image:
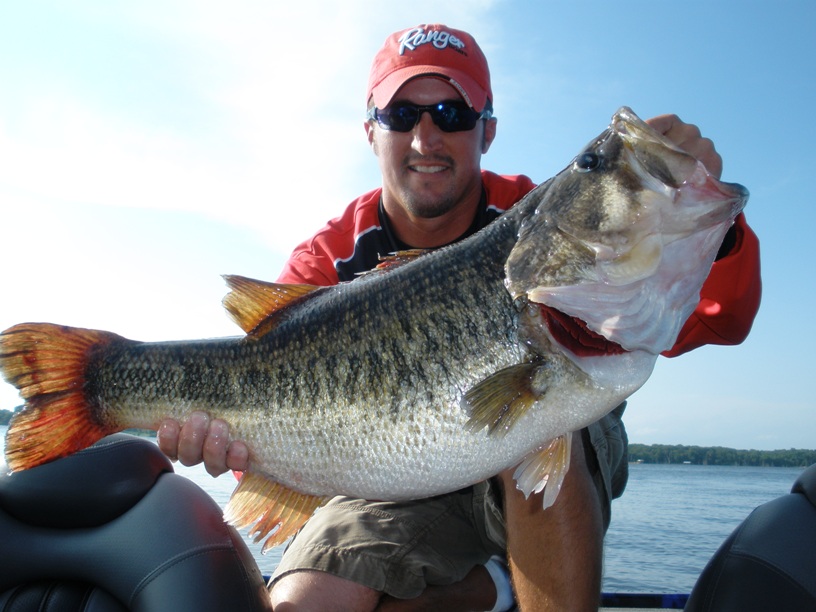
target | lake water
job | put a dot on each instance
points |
(668, 523)
(672, 518)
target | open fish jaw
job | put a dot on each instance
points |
(641, 239)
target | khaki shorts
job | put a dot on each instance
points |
(400, 548)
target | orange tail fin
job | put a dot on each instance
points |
(47, 364)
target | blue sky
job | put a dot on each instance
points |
(147, 148)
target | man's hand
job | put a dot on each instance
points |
(201, 439)
(688, 137)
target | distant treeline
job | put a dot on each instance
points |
(5, 416)
(717, 455)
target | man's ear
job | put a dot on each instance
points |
(371, 136)
(489, 133)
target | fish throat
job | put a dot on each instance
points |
(573, 334)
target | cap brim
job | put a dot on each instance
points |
(472, 93)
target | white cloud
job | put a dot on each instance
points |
(280, 147)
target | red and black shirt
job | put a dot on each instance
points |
(355, 241)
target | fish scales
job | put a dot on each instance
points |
(406, 369)
(337, 411)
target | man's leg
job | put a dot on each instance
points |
(352, 552)
(555, 555)
(309, 590)
(316, 591)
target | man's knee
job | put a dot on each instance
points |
(313, 590)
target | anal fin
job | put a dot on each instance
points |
(264, 506)
(545, 470)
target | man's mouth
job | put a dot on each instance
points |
(574, 335)
(428, 169)
(429, 164)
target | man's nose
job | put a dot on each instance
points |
(427, 136)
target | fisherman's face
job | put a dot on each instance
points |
(427, 172)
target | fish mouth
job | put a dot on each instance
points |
(573, 334)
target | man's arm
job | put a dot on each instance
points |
(729, 299)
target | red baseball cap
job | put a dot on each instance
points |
(430, 50)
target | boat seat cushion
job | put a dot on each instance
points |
(769, 561)
(113, 525)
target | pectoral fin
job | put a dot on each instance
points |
(267, 506)
(502, 398)
(545, 470)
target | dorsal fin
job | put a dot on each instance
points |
(250, 302)
(400, 257)
(395, 260)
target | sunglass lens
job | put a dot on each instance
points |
(399, 118)
(453, 116)
(447, 117)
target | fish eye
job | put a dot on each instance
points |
(587, 161)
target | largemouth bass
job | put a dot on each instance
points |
(436, 371)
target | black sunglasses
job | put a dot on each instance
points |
(449, 116)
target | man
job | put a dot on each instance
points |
(429, 122)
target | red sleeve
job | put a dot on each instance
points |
(503, 191)
(307, 268)
(729, 299)
(312, 261)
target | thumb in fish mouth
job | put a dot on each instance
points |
(687, 138)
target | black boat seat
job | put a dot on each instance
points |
(113, 528)
(769, 561)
